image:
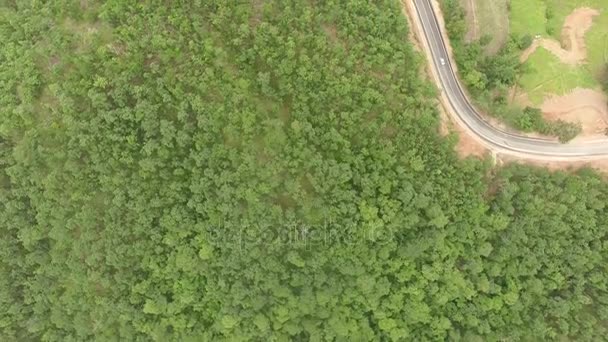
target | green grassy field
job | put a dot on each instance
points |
(528, 17)
(547, 74)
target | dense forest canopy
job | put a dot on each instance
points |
(220, 170)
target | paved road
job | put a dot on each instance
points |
(493, 136)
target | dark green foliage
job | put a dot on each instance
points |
(549, 212)
(454, 17)
(525, 42)
(604, 78)
(217, 170)
(531, 119)
(485, 39)
(549, 12)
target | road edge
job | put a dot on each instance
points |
(415, 26)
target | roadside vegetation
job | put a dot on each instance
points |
(268, 171)
(488, 77)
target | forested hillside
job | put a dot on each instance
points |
(266, 171)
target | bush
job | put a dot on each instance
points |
(549, 14)
(565, 131)
(525, 42)
(530, 119)
(485, 40)
(604, 77)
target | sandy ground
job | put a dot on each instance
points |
(469, 147)
(570, 166)
(572, 49)
(587, 106)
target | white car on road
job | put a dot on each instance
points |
(442, 61)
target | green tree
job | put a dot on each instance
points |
(218, 170)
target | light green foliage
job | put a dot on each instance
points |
(226, 171)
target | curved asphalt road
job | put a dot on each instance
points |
(493, 136)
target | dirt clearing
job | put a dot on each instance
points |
(587, 106)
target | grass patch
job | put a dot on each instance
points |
(597, 42)
(550, 76)
(528, 17)
(547, 17)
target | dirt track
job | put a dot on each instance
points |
(572, 49)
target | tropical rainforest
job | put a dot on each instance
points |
(210, 170)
